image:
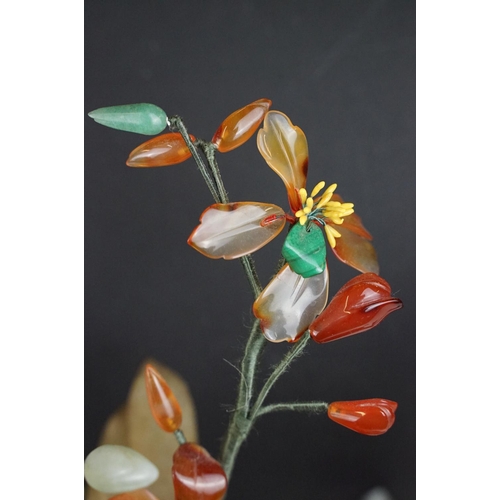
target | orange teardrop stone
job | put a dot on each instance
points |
(161, 151)
(196, 475)
(135, 495)
(162, 402)
(239, 126)
(371, 417)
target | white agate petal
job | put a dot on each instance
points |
(289, 304)
(118, 469)
(231, 230)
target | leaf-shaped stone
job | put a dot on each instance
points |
(305, 250)
(117, 469)
(239, 126)
(164, 150)
(289, 303)
(284, 147)
(162, 402)
(141, 118)
(232, 230)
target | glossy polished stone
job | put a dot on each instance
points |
(142, 118)
(164, 150)
(232, 230)
(289, 303)
(196, 475)
(354, 247)
(239, 126)
(305, 250)
(135, 495)
(361, 304)
(118, 469)
(370, 417)
(284, 147)
(162, 402)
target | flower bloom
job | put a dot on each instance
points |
(232, 230)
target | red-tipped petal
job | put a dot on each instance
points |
(361, 304)
(371, 417)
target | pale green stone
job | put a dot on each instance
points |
(142, 118)
(117, 469)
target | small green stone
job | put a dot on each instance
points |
(305, 250)
(142, 118)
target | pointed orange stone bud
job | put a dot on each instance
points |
(362, 303)
(162, 402)
(196, 475)
(161, 151)
(135, 495)
(370, 417)
(239, 126)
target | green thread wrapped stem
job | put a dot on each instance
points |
(308, 407)
(177, 123)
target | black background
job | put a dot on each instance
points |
(344, 71)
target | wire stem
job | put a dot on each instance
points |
(177, 123)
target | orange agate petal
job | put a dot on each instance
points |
(355, 251)
(135, 495)
(239, 126)
(353, 221)
(162, 402)
(370, 417)
(284, 147)
(196, 475)
(162, 151)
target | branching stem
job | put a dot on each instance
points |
(245, 413)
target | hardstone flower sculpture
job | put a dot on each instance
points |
(299, 292)
(231, 230)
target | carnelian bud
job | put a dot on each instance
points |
(135, 495)
(162, 151)
(196, 475)
(370, 417)
(162, 402)
(239, 126)
(361, 304)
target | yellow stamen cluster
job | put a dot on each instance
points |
(323, 210)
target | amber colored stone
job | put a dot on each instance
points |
(239, 126)
(196, 475)
(163, 404)
(371, 417)
(161, 151)
(362, 303)
(135, 495)
(284, 147)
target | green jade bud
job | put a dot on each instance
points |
(305, 250)
(142, 118)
